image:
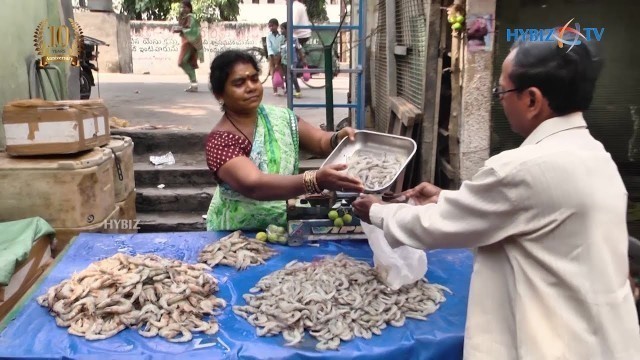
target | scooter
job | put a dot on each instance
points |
(89, 53)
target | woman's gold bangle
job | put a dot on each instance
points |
(310, 182)
(306, 182)
(315, 182)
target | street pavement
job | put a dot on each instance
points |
(161, 100)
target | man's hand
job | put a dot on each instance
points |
(423, 194)
(362, 206)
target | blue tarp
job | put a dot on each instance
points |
(34, 333)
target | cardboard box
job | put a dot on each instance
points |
(127, 216)
(26, 274)
(123, 178)
(39, 127)
(65, 235)
(68, 191)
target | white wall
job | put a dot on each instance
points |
(154, 48)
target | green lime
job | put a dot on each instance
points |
(451, 19)
(282, 239)
(459, 19)
(347, 218)
(456, 26)
(281, 230)
(272, 237)
(333, 215)
(261, 236)
(338, 222)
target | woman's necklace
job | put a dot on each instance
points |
(237, 128)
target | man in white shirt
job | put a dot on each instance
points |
(548, 221)
(300, 17)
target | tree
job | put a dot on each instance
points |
(145, 9)
(209, 10)
(204, 10)
(317, 10)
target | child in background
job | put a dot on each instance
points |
(297, 55)
(274, 42)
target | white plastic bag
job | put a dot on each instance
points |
(396, 267)
(166, 159)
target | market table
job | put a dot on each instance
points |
(34, 334)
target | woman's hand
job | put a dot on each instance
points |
(332, 177)
(346, 132)
(423, 194)
(320, 142)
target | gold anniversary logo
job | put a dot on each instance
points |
(53, 43)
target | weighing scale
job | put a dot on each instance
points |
(308, 218)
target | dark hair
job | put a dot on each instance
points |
(284, 25)
(188, 4)
(567, 79)
(222, 65)
(273, 22)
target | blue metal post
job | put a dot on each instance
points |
(292, 70)
(290, 50)
(362, 22)
(328, 74)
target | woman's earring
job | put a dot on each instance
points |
(221, 102)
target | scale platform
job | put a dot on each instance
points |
(308, 221)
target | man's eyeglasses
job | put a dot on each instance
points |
(498, 92)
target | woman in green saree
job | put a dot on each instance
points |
(191, 48)
(253, 151)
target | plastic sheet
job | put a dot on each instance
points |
(34, 334)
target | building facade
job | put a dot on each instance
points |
(260, 11)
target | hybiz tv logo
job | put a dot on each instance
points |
(573, 35)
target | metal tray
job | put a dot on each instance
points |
(375, 142)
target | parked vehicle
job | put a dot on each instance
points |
(89, 64)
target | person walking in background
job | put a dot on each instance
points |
(297, 56)
(191, 48)
(301, 18)
(274, 42)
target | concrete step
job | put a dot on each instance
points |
(191, 174)
(171, 222)
(162, 141)
(148, 175)
(168, 199)
(187, 147)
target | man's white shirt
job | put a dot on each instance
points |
(300, 17)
